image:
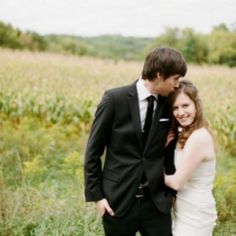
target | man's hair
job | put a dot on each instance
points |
(166, 61)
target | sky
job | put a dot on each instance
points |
(141, 18)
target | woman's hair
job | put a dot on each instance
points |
(166, 61)
(188, 88)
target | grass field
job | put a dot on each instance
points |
(46, 107)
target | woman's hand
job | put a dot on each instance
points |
(170, 137)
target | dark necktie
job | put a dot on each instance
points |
(148, 119)
(147, 126)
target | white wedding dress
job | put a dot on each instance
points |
(195, 211)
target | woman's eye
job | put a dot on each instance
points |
(185, 105)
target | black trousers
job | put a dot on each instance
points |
(143, 217)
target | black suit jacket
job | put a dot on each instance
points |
(117, 128)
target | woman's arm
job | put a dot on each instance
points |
(194, 152)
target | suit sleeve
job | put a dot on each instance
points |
(98, 140)
(169, 164)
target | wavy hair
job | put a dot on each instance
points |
(188, 88)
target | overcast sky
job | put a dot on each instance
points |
(125, 17)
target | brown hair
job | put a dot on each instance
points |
(188, 88)
(166, 61)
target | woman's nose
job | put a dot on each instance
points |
(180, 112)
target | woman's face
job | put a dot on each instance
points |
(184, 110)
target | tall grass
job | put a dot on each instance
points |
(46, 108)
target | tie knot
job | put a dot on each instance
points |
(151, 98)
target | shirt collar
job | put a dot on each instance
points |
(143, 92)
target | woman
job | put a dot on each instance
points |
(195, 212)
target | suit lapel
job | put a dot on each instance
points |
(135, 114)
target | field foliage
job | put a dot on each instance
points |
(47, 102)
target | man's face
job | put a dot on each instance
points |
(163, 86)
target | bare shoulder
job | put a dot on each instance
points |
(202, 142)
(201, 135)
(200, 138)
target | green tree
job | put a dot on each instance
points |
(38, 42)
(221, 27)
(9, 37)
(222, 47)
(170, 38)
(193, 46)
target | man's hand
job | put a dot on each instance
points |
(103, 206)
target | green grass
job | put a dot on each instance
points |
(46, 108)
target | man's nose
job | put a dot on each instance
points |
(177, 85)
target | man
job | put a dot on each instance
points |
(132, 123)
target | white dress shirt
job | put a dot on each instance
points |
(143, 94)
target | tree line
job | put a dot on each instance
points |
(216, 47)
